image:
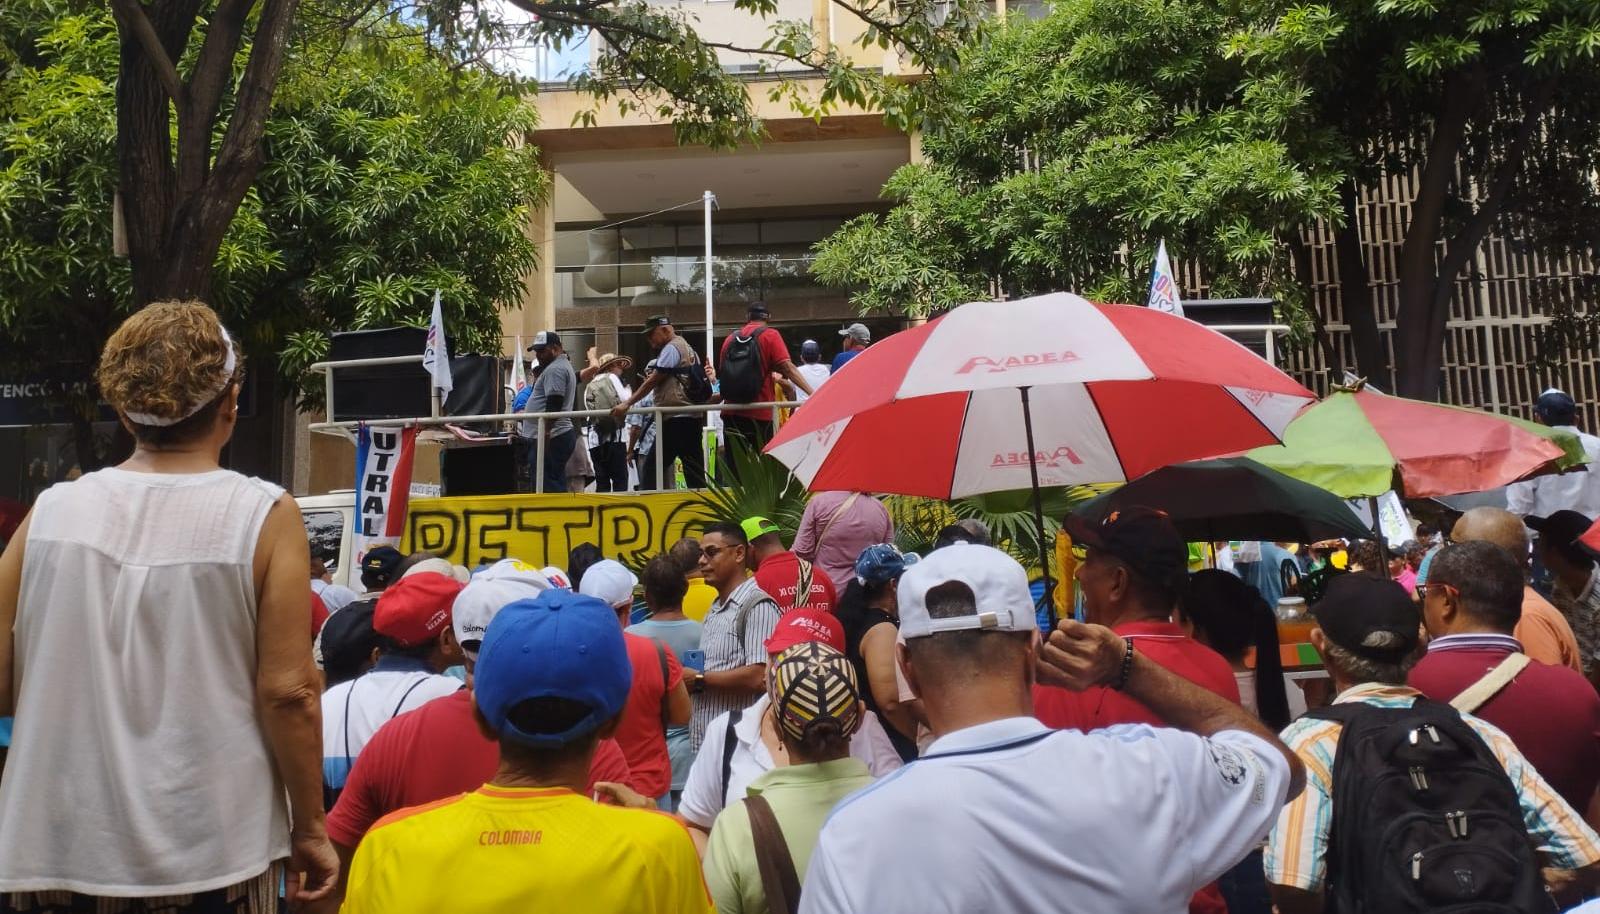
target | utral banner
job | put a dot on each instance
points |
(542, 529)
(383, 483)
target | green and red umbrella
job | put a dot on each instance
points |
(1357, 443)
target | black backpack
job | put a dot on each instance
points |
(742, 371)
(1424, 818)
(696, 386)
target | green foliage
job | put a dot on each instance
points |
(653, 59)
(58, 278)
(1008, 515)
(1060, 151)
(1063, 150)
(388, 175)
(764, 488)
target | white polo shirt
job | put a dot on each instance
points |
(1010, 816)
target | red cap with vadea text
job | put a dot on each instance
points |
(801, 625)
(416, 608)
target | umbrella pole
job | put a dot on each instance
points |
(1377, 529)
(1038, 509)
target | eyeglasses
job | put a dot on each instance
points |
(712, 552)
(1422, 590)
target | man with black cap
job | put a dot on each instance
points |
(1135, 568)
(1545, 495)
(745, 368)
(680, 433)
(1561, 550)
(378, 568)
(811, 366)
(1368, 634)
(551, 680)
(554, 392)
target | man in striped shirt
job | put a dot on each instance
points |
(734, 633)
(1368, 661)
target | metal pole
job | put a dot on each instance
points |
(1038, 509)
(538, 459)
(658, 447)
(710, 199)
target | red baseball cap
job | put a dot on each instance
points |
(416, 608)
(801, 625)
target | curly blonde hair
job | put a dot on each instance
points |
(165, 361)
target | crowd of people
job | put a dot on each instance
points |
(749, 725)
(618, 452)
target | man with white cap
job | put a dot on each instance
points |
(658, 699)
(437, 751)
(1128, 818)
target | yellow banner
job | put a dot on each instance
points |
(542, 529)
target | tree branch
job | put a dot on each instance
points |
(239, 155)
(214, 66)
(130, 13)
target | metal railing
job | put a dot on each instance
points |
(435, 419)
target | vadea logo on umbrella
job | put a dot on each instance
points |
(1050, 459)
(997, 365)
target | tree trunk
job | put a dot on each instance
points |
(1355, 293)
(89, 458)
(1419, 351)
(178, 203)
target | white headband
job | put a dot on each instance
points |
(228, 366)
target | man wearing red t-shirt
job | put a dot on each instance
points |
(658, 698)
(754, 426)
(1135, 569)
(1472, 604)
(439, 750)
(782, 574)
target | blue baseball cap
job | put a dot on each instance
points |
(882, 562)
(559, 644)
(1555, 407)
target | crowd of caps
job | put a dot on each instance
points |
(799, 679)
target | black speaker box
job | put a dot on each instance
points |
(488, 469)
(403, 391)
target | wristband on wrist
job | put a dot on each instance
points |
(1127, 666)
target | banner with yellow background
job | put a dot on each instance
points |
(542, 529)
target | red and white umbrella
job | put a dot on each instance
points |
(1110, 391)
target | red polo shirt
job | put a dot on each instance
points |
(434, 752)
(1163, 642)
(1551, 713)
(774, 352)
(1167, 645)
(779, 576)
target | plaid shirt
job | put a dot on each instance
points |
(1298, 846)
(725, 650)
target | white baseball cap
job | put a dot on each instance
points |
(558, 578)
(491, 590)
(439, 566)
(1004, 603)
(610, 581)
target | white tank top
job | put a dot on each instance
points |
(138, 765)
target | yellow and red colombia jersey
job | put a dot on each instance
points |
(504, 849)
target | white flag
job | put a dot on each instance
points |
(519, 374)
(1164, 285)
(436, 356)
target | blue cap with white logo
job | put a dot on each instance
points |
(558, 645)
(882, 562)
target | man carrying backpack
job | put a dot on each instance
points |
(679, 380)
(1410, 805)
(744, 370)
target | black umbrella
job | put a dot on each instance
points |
(1234, 498)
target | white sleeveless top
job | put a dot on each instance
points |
(138, 765)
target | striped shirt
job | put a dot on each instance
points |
(733, 634)
(1297, 848)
